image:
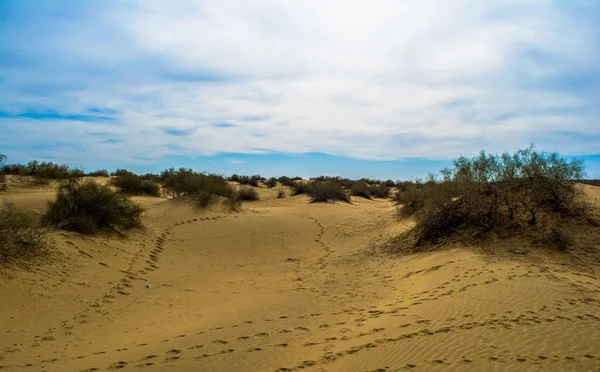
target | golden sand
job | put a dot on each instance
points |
(285, 285)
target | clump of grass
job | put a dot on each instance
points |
(281, 194)
(134, 185)
(247, 194)
(20, 235)
(86, 207)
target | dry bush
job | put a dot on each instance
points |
(326, 192)
(381, 191)
(271, 182)
(88, 206)
(361, 188)
(20, 235)
(281, 194)
(204, 188)
(247, 194)
(287, 181)
(134, 185)
(300, 188)
(491, 192)
(99, 173)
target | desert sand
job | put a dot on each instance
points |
(284, 285)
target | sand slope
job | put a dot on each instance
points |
(286, 285)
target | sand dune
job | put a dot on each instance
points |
(285, 285)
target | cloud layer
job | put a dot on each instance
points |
(372, 80)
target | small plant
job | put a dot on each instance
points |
(20, 235)
(204, 188)
(247, 194)
(86, 207)
(271, 182)
(281, 194)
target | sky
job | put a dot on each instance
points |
(379, 89)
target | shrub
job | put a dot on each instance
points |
(247, 193)
(326, 191)
(361, 188)
(234, 178)
(122, 172)
(492, 191)
(202, 187)
(271, 182)
(99, 173)
(281, 194)
(20, 236)
(390, 183)
(382, 191)
(300, 188)
(42, 171)
(287, 181)
(134, 185)
(86, 206)
(253, 181)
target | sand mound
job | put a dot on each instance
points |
(286, 285)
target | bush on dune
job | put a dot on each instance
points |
(86, 207)
(271, 182)
(361, 188)
(247, 194)
(326, 192)
(204, 188)
(20, 235)
(381, 191)
(493, 193)
(134, 185)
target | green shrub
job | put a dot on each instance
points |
(20, 235)
(247, 194)
(361, 188)
(390, 183)
(134, 185)
(86, 206)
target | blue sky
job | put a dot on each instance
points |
(390, 89)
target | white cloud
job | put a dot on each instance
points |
(377, 80)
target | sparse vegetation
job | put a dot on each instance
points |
(281, 194)
(247, 194)
(287, 181)
(99, 173)
(135, 185)
(86, 207)
(204, 188)
(492, 192)
(381, 191)
(271, 182)
(326, 192)
(20, 235)
(42, 172)
(361, 188)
